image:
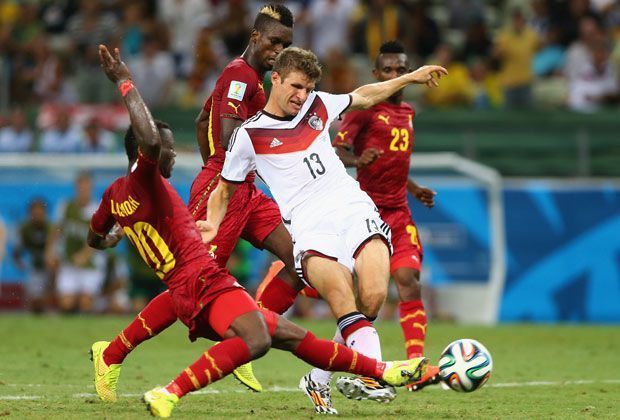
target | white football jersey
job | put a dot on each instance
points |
(295, 158)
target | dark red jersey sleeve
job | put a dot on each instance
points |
(237, 88)
(352, 125)
(102, 221)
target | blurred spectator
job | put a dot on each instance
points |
(144, 285)
(454, 90)
(80, 267)
(63, 137)
(549, 60)
(579, 54)
(28, 27)
(339, 74)
(181, 18)
(463, 12)
(515, 47)
(235, 23)
(153, 72)
(207, 58)
(540, 20)
(422, 32)
(17, 136)
(132, 29)
(329, 22)
(49, 74)
(478, 43)
(97, 139)
(486, 91)
(375, 23)
(88, 28)
(114, 297)
(569, 17)
(596, 84)
(55, 14)
(32, 237)
(9, 13)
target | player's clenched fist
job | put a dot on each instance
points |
(368, 156)
(112, 65)
(428, 75)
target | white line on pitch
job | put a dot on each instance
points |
(285, 389)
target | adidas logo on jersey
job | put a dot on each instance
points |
(275, 143)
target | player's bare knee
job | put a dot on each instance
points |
(372, 301)
(258, 343)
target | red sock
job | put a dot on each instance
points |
(276, 296)
(157, 315)
(413, 323)
(328, 355)
(214, 364)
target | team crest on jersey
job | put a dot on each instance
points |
(315, 122)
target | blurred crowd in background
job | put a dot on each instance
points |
(500, 54)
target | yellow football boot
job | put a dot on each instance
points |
(106, 377)
(245, 375)
(160, 402)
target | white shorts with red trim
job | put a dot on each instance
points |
(337, 235)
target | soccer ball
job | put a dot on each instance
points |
(465, 365)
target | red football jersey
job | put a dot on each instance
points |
(238, 93)
(389, 128)
(156, 221)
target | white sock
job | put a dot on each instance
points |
(366, 341)
(324, 376)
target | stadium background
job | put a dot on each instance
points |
(555, 146)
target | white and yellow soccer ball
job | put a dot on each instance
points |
(465, 365)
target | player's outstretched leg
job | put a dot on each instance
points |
(107, 356)
(249, 339)
(214, 364)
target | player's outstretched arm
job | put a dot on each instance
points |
(369, 95)
(216, 210)
(142, 123)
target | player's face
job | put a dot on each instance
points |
(167, 153)
(391, 66)
(268, 43)
(292, 91)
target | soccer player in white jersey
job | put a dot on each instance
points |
(335, 226)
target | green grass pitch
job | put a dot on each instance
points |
(540, 372)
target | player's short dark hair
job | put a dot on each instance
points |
(298, 59)
(390, 47)
(271, 13)
(131, 143)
